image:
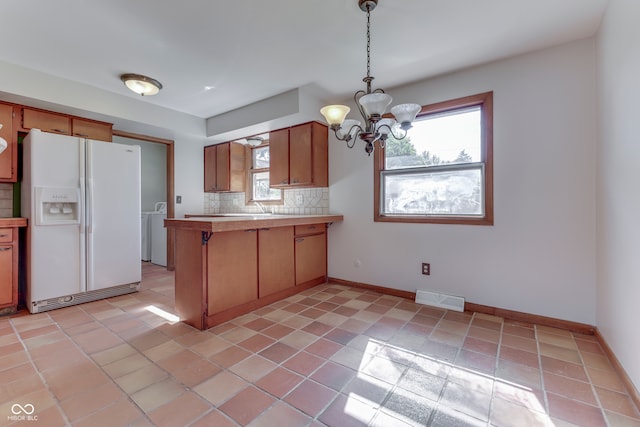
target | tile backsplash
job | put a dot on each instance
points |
(299, 201)
(6, 200)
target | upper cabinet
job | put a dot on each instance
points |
(91, 129)
(48, 121)
(9, 157)
(299, 156)
(224, 168)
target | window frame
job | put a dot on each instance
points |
(250, 172)
(485, 102)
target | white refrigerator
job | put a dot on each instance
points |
(82, 198)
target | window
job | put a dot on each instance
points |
(259, 190)
(442, 172)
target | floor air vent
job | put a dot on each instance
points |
(448, 302)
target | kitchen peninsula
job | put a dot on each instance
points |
(227, 266)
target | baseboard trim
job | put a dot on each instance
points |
(632, 391)
(381, 289)
(479, 308)
(552, 322)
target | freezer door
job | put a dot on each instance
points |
(113, 214)
(52, 171)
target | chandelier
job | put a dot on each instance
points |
(372, 104)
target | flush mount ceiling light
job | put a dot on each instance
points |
(142, 85)
(372, 104)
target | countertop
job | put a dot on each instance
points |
(13, 222)
(246, 221)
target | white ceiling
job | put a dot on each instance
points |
(213, 56)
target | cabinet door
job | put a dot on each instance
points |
(300, 155)
(90, 129)
(7, 172)
(210, 169)
(311, 258)
(279, 158)
(6, 275)
(222, 167)
(46, 122)
(237, 167)
(232, 270)
(275, 260)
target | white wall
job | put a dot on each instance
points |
(618, 289)
(540, 255)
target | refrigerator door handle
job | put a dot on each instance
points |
(89, 205)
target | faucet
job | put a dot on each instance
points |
(259, 205)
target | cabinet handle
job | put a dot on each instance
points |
(251, 231)
(83, 135)
(285, 181)
(299, 239)
(265, 229)
(5, 249)
(4, 235)
(58, 130)
(311, 227)
(294, 181)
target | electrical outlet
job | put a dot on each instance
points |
(299, 199)
(178, 199)
(426, 268)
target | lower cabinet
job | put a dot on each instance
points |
(311, 253)
(275, 260)
(233, 270)
(9, 265)
(225, 274)
(6, 274)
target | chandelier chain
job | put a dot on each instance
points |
(368, 42)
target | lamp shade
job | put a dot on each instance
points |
(405, 113)
(335, 114)
(384, 126)
(375, 103)
(142, 85)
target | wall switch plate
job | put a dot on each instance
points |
(178, 199)
(426, 268)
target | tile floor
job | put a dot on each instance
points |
(330, 356)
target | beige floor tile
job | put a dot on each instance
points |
(221, 387)
(157, 395)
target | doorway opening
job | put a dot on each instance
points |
(169, 187)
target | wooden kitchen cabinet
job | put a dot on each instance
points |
(233, 270)
(224, 168)
(311, 253)
(299, 156)
(9, 157)
(227, 268)
(275, 260)
(48, 121)
(9, 263)
(91, 129)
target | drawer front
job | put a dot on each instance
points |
(301, 230)
(6, 235)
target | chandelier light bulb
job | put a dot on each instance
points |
(335, 114)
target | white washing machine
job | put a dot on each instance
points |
(145, 241)
(154, 235)
(158, 238)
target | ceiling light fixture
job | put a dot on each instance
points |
(372, 104)
(142, 85)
